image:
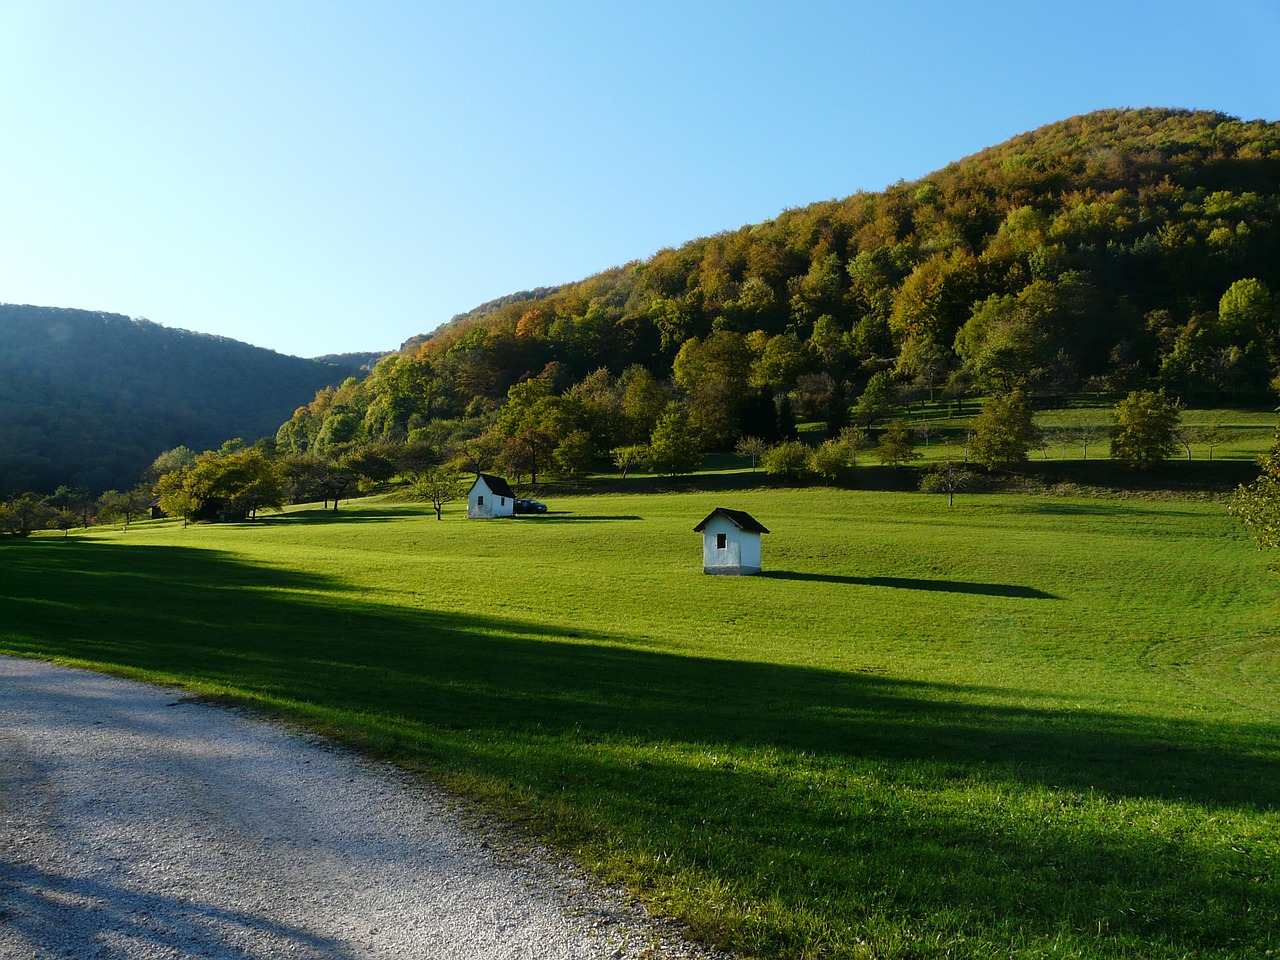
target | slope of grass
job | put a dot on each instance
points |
(1026, 726)
(1243, 433)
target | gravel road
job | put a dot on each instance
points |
(136, 822)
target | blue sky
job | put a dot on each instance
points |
(317, 177)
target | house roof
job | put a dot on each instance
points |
(739, 518)
(498, 485)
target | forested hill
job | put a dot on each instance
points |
(89, 399)
(1113, 250)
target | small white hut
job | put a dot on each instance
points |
(490, 496)
(730, 542)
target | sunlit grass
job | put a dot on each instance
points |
(1026, 726)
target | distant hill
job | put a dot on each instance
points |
(360, 361)
(90, 399)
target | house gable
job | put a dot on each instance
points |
(739, 518)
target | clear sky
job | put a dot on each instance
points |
(318, 177)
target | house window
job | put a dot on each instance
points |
(721, 541)
(502, 502)
(479, 501)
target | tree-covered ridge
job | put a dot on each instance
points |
(89, 399)
(1115, 250)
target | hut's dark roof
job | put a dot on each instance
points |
(739, 518)
(499, 486)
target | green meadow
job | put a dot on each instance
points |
(1025, 726)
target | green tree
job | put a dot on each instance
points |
(876, 400)
(673, 447)
(853, 439)
(126, 505)
(74, 499)
(897, 445)
(573, 454)
(176, 499)
(1257, 505)
(64, 519)
(782, 360)
(176, 459)
(438, 485)
(244, 478)
(1146, 429)
(479, 453)
(830, 458)
(1247, 312)
(630, 456)
(643, 401)
(25, 514)
(1003, 431)
(789, 460)
(302, 477)
(714, 375)
(373, 465)
(924, 362)
(949, 478)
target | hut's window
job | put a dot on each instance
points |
(479, 501)
(721, 541)
(502, 502)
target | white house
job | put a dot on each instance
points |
(490, 496)
(730, 542)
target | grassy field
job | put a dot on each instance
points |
(1027, 726)
(1242, 434)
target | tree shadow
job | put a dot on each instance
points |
(568, 516)
(910, 583)
(304, 637)
(320, 515)
(93, 917)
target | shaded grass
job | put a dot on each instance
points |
(1000, 729)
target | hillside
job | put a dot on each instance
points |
(89, 399)
(1114, 250)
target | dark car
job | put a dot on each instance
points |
(525, 505)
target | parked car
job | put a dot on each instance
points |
(525, 505)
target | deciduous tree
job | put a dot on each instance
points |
(630, 456)
(673, 447)
(949, 478)
(25, 514)
(1146, 429)
(789, 460)
(897, 445)
(438, 485)
(1257, 505)
(1003, 431)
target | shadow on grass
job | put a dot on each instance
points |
(264, 630)
(600, 724)
(567, 516)
(911, 583)
(320, 515)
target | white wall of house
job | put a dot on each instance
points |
(729, 550)
(483, 503)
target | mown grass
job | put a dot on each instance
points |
(1244, 433)
(1028, 726)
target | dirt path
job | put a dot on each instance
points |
(137, 823)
